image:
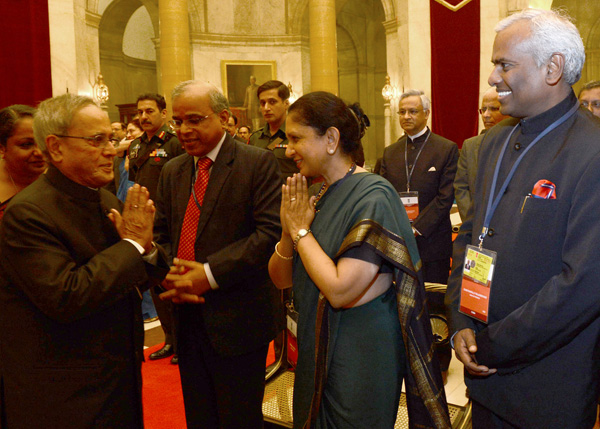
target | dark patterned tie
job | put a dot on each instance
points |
(192, 212)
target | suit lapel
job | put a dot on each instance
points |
(218, 175)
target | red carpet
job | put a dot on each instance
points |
(161, 394)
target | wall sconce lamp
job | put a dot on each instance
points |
(389, 91)
(101, 92)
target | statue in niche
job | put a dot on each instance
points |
(251, 104)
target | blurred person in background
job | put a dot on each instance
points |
(22, 160)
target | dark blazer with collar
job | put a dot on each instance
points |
(544, 315)
(466, 173)
(237, 231)
(432, 177)
(71, 333)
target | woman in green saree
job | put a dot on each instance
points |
(351, 256)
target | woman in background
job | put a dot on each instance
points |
(352, 259)
(22, 161)
(134, 130)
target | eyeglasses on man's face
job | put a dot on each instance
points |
(411, 112)
(492, 109)
(189, 121)
(98, 140)
(594, 104)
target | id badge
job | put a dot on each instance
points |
(292, 331)
(411, 203)
(478, 270)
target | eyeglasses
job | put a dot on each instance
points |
(490, 108)
(99, 140)
(411, 112)
(595, 104)
(189, 121)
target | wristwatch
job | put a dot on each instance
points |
(302, 233)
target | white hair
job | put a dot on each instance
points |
(54, 116)
(416, 93)
(552, 32)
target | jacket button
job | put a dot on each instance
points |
(517, 146)
(490, 232)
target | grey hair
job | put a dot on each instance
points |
(590, 85)
(54, 116)
(416, 93)
(217, 100)
(552, 31)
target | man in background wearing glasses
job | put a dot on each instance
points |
(464, 183)
(73, 270)
(421, 165)
(147, 156)
(589, 97)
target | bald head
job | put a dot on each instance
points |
(490, 109)
(199, 113)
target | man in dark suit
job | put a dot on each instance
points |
(535, 364)
(71, 331)
(223, 341)
(425, 162)
(466, 172)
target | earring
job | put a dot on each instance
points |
(331, 151)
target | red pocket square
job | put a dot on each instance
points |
(544, 189)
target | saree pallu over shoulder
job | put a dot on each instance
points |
(426, 398)
(366, 210)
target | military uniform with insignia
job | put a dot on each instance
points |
(277, 143)
(147, 158)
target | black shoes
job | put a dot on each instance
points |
(175, 360)
(165, 352)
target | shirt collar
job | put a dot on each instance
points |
(214, 152)
(267, 131)
(419, 134)
(162, 131)
(539, 123)
(68, 186)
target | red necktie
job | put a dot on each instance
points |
(189, 228)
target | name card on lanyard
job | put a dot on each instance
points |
(478, 268)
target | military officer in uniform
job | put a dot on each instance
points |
(151, 151)
(273, 97)
(147, 156)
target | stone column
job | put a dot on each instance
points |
(323, 46)
(175, 55)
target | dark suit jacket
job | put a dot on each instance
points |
(237, 231)
(466, 172)
(544, 323)
(71, 332)
(432, 177)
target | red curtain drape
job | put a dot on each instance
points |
(25, 74)
(455, 69)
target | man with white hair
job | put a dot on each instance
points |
(421, 165)
(424, 163)
(534, 362)
(466, 172)
(73, 269)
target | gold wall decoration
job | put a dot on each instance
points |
(445, 3)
